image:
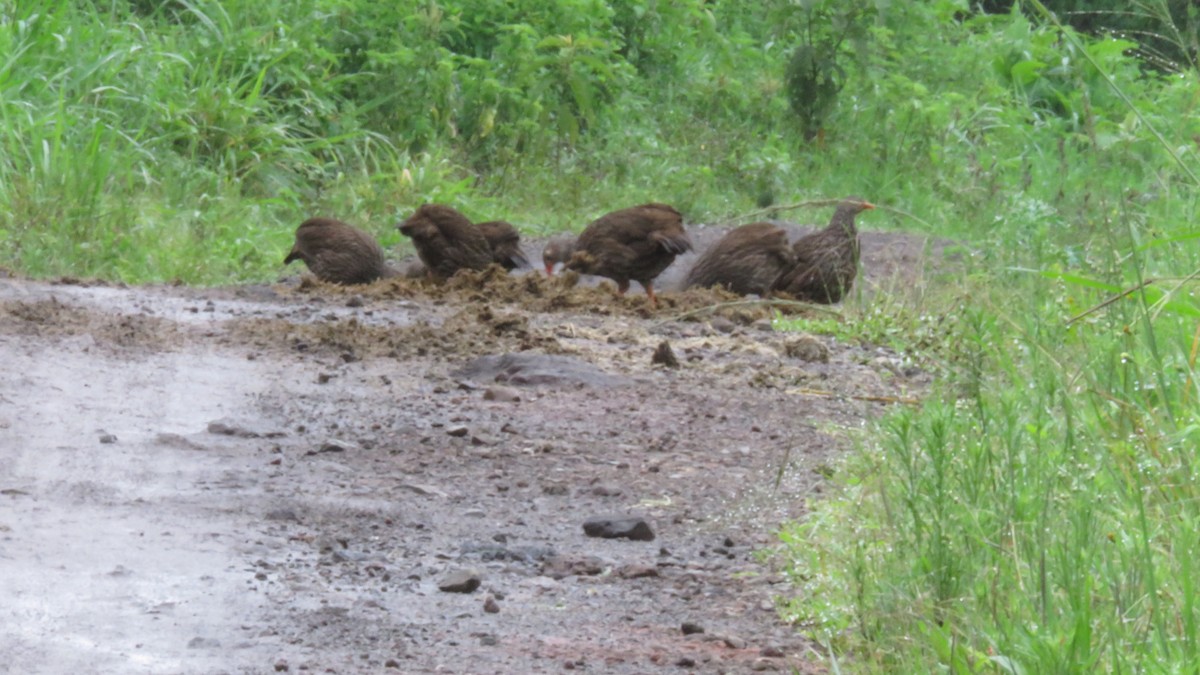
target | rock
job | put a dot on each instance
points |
(733, 642)
(328, 447)
(203, 643)
(637, 571)
(228, 427)
(460, 581)
(771, 651)
(108, 438)
(530, 369)
(457, 431)
(806, 348)
(554, 488)
(281, 666)
(686, 662)
(423, 490)
(496, 552)
(721, 324)
(760, 665)
(282, 514)
(613, 527)
(502, 394)
(391, 663)
(490, 605)
(488, 640)
(560, 566)
(607, 491)
(691, 628)
(664, 356)
(355, 301)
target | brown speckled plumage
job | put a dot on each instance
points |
(505, 242)
(746, 261)
(826, 260)
(633, 244)
(338, 253)
(446, 241)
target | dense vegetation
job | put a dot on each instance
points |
(1039, 513)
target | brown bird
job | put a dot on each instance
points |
(446, 241)
(746, 261)
(338, 253)
(636, 244)
(505, 243)
(826, 260)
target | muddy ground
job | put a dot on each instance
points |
(279, 478)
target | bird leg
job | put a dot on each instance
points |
(650, 294)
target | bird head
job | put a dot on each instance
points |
(557, 250)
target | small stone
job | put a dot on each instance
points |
(760, 665)
(637, 571)
(686, 662)
(610, 527)
(457, 431)
(561, 566)
(283, 514)
(607, 491)
(502, 394)
(460, 581)
(108, 438)
(227, 427)
(721, 324)
(203, 643)
(488, 640)
(391, 663)
(423, 490)
(664, 356)
(691, 628)
(733, 642)
(771, 651)
(490, 605)
(355, 301)
(806, 348)
(324, 378)
(281, 666)
(554, 488)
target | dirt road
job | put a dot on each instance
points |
(280, 478)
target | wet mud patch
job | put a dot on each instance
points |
(471, 331)
(52, 318)
(532, 292)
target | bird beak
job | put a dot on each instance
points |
(868, 206)
(549, 269)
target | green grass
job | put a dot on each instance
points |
(1038, 513)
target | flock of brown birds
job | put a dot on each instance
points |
(633, 244)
